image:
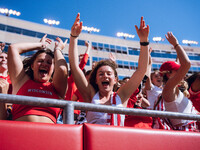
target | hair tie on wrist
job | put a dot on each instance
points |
(176, 46)
(73, 36)
(144, 43)
(59, 49)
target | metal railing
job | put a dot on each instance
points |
(69, 107)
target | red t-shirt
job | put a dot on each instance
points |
(195, 98)
(136, 121)
(35, 89)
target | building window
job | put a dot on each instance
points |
(100, 46)
(106, 47)
(28, 33)
(94, 45)
(81, 42)
(118, 49)
(112, 48)
(124, 50)
(14, 30)
(2, 27)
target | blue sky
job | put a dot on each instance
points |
(182, 17)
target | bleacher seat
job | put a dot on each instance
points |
(17, 135)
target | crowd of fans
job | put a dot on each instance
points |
(45, 74)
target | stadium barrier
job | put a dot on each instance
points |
(69, 107)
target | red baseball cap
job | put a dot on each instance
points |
(169, 66)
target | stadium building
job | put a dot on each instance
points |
(14, 30)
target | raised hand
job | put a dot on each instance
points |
(143, 31)
(87, 44)
(112, 57)
(2, 46)
(59, 44)
(77, 26)
(45, 41)
(171, 38)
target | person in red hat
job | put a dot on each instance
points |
(174, 100)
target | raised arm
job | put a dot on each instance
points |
(148, 82)
(125, 91)
(15, 65)
(2, 46)
(79, 77)
(170, 87)
(61, 69)
(85, 55)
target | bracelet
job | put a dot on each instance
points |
(73, 36)
(176, 46)
(144, 43)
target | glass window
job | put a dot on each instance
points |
(132, 65)
(94, 45)
(124, 50)
(66, 58)
(120, 77)
(2, 27)
(126, 64)
(120, 64)
(106, 47)
(112, 48)
(154, 66)
(100, 46)
(81, 42)
(28, 33)
(196, 58)
(94, 59)
(100, 58)
(118, 49)
(136, 65)
(40, 35)
(14, 30)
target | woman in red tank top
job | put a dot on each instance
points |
(5, 83)
(33, 77)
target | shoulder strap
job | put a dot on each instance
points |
(158, 101)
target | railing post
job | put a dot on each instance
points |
(68, 114)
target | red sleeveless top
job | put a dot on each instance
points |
(35, 89)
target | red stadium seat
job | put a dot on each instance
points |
(16, 135)
(98, 137)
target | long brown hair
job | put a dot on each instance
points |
(101, 63)
(27, 62)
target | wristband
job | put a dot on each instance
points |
(73, 36)
(144, 43)
(176, 46)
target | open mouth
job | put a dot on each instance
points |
(43, 71)
(105, 83)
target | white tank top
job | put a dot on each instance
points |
(106, 118)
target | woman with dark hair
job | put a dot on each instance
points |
(99, 88)
(194, 90)
(34, 78)
(5, 83)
